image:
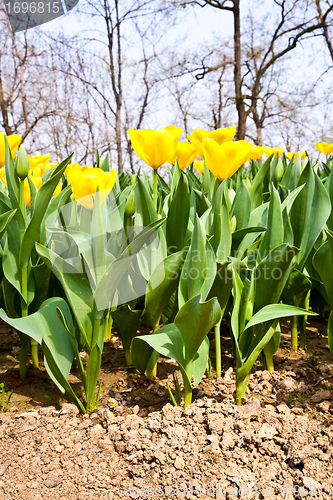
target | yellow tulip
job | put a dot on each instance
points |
(155, 147)
(199, 166)
(272, 151)
(39, 161)
(325, 148)
(57, 190)
(76, 166)
(185, 154)
(13, 142)
(257, 152)
(223, 160)
(220, 136)
(27, 194)
(84, 185)
(292, 156)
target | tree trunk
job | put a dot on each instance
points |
(241, 127)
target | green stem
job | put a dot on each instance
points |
(187, 395)
(23, 356)
(154, 369)
(155, 189)
(128, 358)
(269, 362)
(24, 313)
(34, 353)
(218, 349)
(107, 330)
(302, 333)
(294, 332)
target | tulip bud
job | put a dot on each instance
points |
(232, 194)
(279, 171)
(233, 223)
(248, 183)
(133, 180)
(130, 205)
(22, 164)
(249, 311)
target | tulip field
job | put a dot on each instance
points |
(234, 232)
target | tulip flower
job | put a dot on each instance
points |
(185, 154)
(272, 151)
(292, 156)
(37, 164)
(325, 148)
(13, 142)
(199, 166)
(57, 190)
(225, 159)
(257, 152)
(27, 193)
(76, 166)
(84, 185)
(155, 147)
(219, 135)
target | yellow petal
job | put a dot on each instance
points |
(84, 185)
(257, 152)
(155, 146)
(223, 160)
(185, 154)
(222, 135)
(39, 160)
(199, 166)
(196, 139)
(325, 148)
(13, 142)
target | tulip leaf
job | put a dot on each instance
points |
(76, 287)
(5, 220)
(276, 311)
(128, 323)
(296, 288)
(195, 268)
(241, 207)
(271, 275)
(45, 326)
(323, 264)
(178, 214)
(204, 316)
(309, 213)
(162, 284)
(144, 204)
(273, 236)
(41, 203)
(93, 369)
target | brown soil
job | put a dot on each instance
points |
(136, 445)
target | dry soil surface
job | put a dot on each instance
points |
(277, 445)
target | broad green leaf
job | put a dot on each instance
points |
(273, 236)
(41, 203)
(241, 206)
(194, 321)
(178, 214)
(162, 284)
(271, 275)
(276, 311)
(77, 289)
(45, 326)
(309, 213)
(128, 323)
(93, 369)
